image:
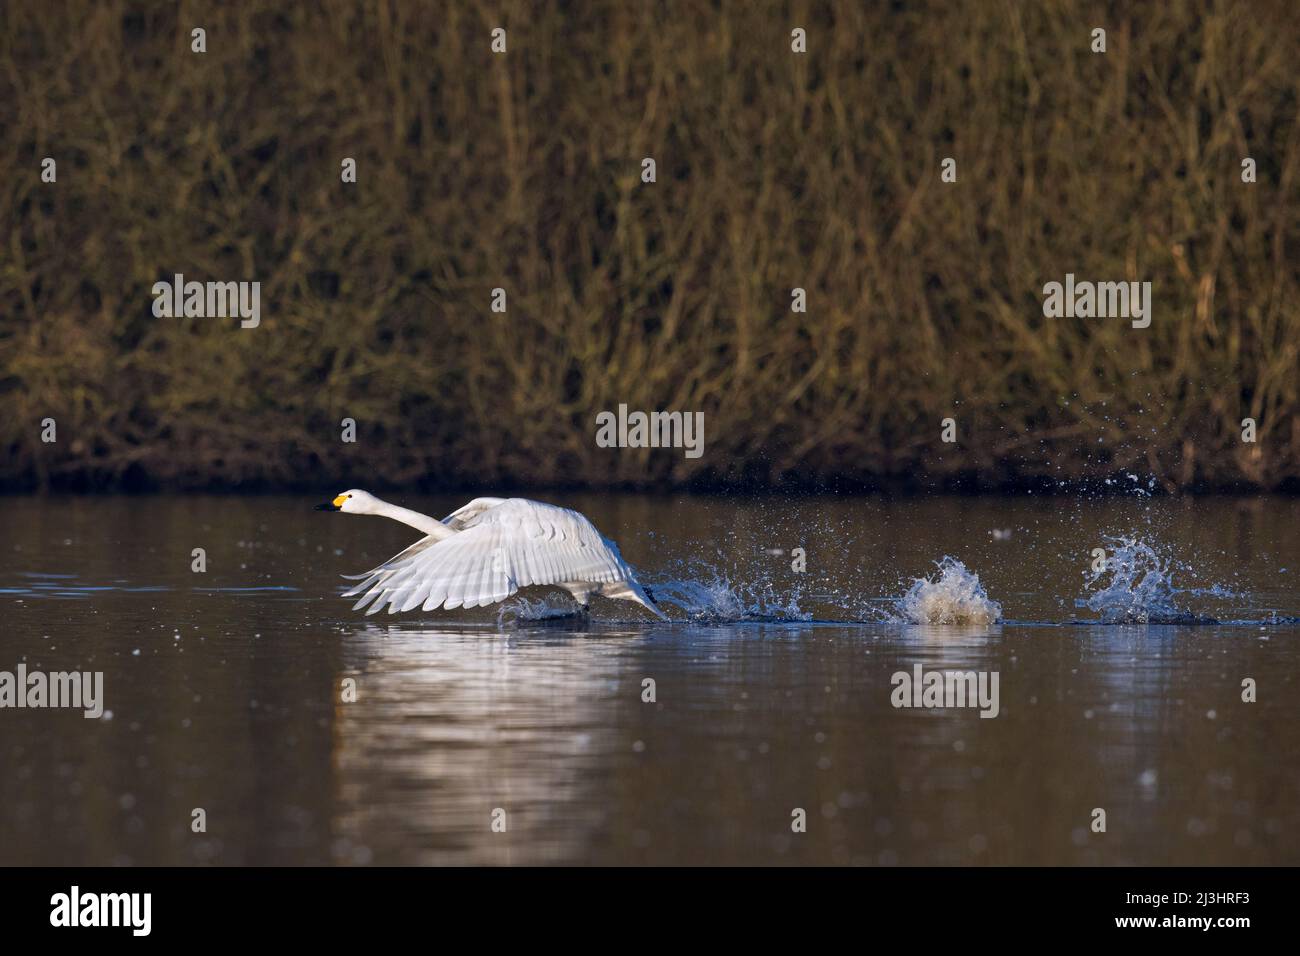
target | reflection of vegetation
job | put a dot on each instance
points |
(522, 171)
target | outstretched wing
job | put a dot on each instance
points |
(501, 548)
(464, 516)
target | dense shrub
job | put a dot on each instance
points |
(775, 170)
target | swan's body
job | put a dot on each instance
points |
(486, 551)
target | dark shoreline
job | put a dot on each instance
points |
(887, 488)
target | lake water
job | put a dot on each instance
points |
(223, 690)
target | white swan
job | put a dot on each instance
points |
(486, 551)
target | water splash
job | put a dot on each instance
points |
(1136, 586)
(708, 596)
(523, 611)
(952, 596)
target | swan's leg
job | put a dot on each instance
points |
(581, 596)
(632, 591)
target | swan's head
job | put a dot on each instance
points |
(353, 501)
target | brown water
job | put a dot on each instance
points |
(224, 691)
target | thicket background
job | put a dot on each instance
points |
(775, 170)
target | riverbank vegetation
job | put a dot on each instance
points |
(775, 170)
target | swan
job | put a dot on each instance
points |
(486, 551)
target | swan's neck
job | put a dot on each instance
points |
(419, 522)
